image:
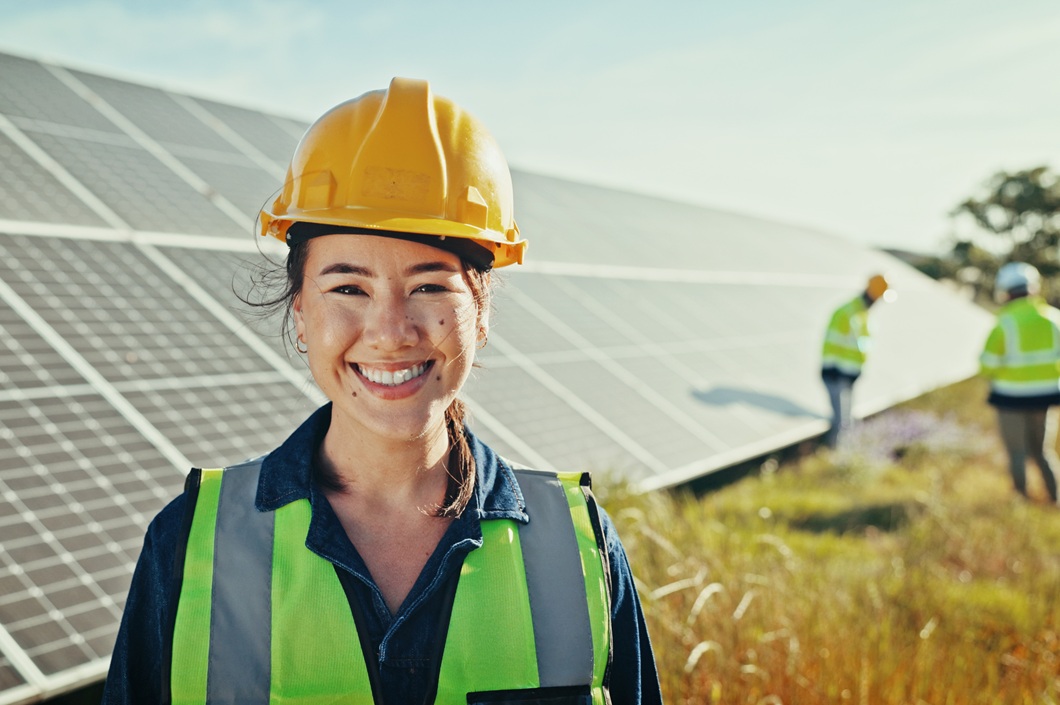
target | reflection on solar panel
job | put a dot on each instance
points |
(646, 340)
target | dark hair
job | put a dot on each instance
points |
(280, 285)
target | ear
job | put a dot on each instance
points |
(299, 317)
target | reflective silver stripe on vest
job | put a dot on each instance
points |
(241, 615)
(562, 634)
(1016, 357)
(241, 609)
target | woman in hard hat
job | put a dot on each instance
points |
(383, 553)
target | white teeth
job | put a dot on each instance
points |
(390, 378)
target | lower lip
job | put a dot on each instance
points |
(397, 391)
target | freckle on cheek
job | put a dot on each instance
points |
(441, 322)
(438, 378)
(355, 394)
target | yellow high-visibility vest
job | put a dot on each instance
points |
(263, 619)
(1021, 357)
(846, 342)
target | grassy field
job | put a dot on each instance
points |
(901, 568)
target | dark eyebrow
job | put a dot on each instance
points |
(426, 267)
(345, 268)
(419, 268)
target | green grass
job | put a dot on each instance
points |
(905, 570)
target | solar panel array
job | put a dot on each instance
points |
(646, 340)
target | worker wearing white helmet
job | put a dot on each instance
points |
(1021, 359)
(846, 346)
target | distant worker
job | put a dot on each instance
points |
(1022, 361)
(846, 344)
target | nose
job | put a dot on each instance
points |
(389, 324)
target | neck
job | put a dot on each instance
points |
(386, 472)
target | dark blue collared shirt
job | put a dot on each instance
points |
(402, 642)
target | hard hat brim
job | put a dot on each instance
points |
(363, 220)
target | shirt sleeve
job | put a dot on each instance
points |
(135, 674)
(634, 679)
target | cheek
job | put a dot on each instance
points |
(454, 329)
(331, 326)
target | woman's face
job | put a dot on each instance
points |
(391, 328)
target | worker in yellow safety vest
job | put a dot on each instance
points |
(383, 553)
(846, 346)
(1021, 359)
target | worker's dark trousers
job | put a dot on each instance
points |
(1030, 431)
(841, 394)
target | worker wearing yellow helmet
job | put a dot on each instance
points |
(383, 553)
(845, 349)
(1021, 359)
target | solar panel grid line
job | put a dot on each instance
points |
(665, 317)
(562, 356)
(83, 134)
(695, 379)
(126, 501)
(27, 89)
(208, 155)
(231, 136)
(61, 174)
(100, 480)
(692, 276)
(288, 126)
(668, 316)
(655, 350)
(529, 454)
(184, 240)
(640, 350)
(175, 383)
(691, 471)
(93, 376)
(236, 326)
(75, 232)
(578, 405)
(152, 146)
(35, 591)
(57, 684)
(69, 533)
(639, 386)
(22, 663)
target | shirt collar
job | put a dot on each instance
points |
(287, 472)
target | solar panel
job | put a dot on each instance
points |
(136, 186)
(29, 192)
(264, 133)
(154, 112)
(645, 340)
(28, 89)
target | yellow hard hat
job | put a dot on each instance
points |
(400, 162)
(876, 287)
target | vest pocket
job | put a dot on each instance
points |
(566, 695)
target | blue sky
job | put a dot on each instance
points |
(871, 120)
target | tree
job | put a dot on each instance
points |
(1017, 219)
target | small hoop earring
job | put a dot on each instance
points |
(482, 343)
(301, 347)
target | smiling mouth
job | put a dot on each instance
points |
(393, 378)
